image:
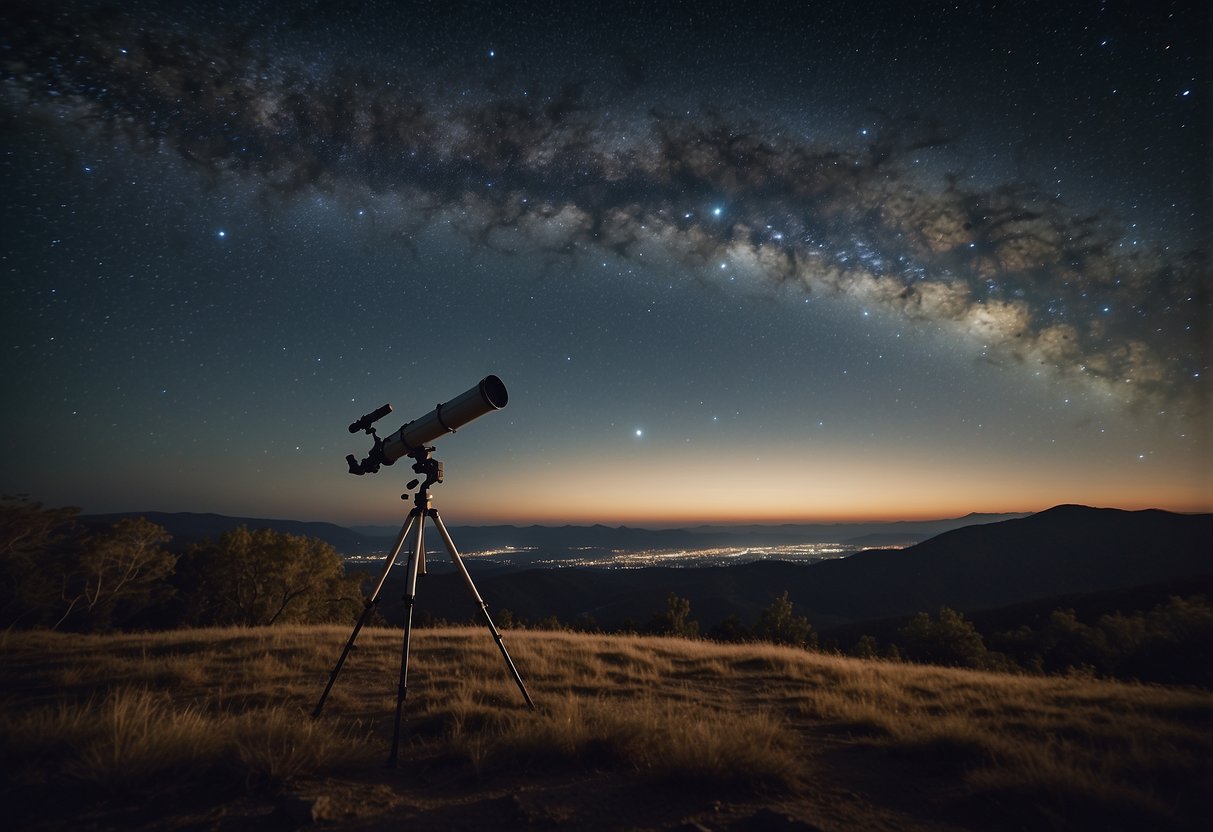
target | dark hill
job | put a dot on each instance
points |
(1067, 550)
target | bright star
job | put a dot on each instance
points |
(639, 432)
(222, 233)
(716, 212)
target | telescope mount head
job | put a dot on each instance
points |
(430, 468)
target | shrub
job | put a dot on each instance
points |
(779, 625)
(950, 639)
(676, 620)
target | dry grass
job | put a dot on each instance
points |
(121, 711)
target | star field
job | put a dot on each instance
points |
(821, 263)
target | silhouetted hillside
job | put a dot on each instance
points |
(899, 531)
(1065, 550)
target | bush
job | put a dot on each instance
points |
(730, 628)
(950, 639)
(676, 620)
(778, 624)
(259, 577)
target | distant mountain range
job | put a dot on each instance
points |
(979, 562)
(553, 542)
(1067, 550)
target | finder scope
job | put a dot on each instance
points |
(369, 419)
(489, 394)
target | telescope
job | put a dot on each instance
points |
(488, 395)
(411, 441)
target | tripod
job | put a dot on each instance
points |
(432, 470)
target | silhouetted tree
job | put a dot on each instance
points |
(260, 577)
(1066, 643)
(730, 628)
(115, 575)
(866, 648)
(779, 624)
(35, 548)
(675, 620)
(1171, 643)
(950, 639)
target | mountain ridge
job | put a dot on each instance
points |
(1069, 550)
(192, 527)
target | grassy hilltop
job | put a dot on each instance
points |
(210, 729)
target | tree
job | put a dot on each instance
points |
(1171, 643)
(778, 624)
(730, 628)
(34, 545)
(950, 639)
(675, 620)
(1065, 642)
(262, 577)
(116, 575)
(505, 619)
(866, 648)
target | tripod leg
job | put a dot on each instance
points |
(366, 609)
(410, 595)
(484, 611)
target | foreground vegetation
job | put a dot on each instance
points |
(225, 710)
(56, 572)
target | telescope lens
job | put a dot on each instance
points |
(493, 390)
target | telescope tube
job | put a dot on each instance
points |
(489, 394)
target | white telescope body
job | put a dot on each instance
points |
(489, 394)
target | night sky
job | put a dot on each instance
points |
(734, 262)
